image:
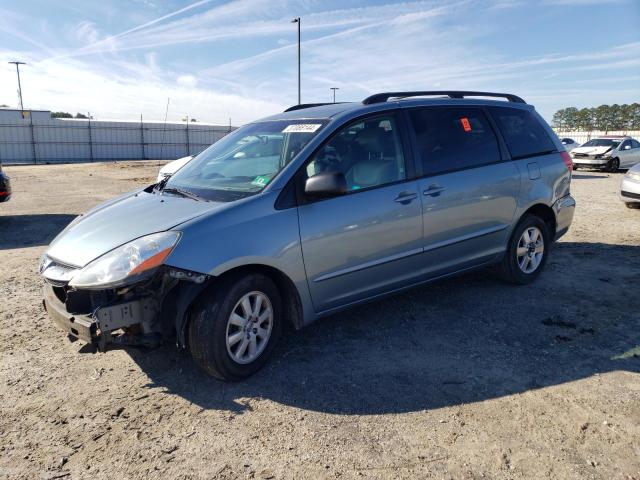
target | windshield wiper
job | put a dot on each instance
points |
(184, 193)
(161, 184)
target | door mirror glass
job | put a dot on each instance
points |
(326, 184)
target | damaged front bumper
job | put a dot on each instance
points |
(98, 327)
(141, 315)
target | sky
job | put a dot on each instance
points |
(219, 60)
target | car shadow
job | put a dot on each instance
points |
(465, 339)
(20, 231)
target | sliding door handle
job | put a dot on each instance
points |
(406, 197)
(433, 191)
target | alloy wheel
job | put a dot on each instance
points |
(530, 250)
(249, 327)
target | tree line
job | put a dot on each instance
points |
(604, 117)
(67, 115)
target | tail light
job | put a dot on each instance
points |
(566, 158)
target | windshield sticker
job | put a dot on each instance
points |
(302, 128)
(261, 180)
(465, 124)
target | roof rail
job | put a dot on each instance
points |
(302, 106)
(383, 97)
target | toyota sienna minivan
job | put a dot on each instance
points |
(310, 211)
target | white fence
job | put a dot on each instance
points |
(584, 136)
(41, 139)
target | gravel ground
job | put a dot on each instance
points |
(466, 378)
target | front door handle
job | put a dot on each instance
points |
(406, 197)
(433, 191)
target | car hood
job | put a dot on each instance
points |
(591, 150)
(119, 221)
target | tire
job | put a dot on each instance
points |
(213, 332)
(511, 268)
(632, 205)
(575, 167)
(613, 165)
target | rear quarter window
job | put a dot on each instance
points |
(522, 131)
(450, 139)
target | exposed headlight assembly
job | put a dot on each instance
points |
(128, 263)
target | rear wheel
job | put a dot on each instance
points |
(613, 165)
(632, 205)
(527, 251)
(235, 325)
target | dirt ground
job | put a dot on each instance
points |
(466, 378)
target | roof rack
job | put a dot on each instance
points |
(302, 106)
(383, 97)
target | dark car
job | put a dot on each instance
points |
(5, 186)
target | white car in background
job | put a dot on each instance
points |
(172, 167)
(630, 187)
(610, 153)
(569, 144)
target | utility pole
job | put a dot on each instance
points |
(297, 20)
(17, 64)
(164, 128)
(334, 92)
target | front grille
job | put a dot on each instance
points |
(581, 155)
(60, 293)
(57, 274)
(630, 194)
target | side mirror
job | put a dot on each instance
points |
(326, 184)
(627, 147)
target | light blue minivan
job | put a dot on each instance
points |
(304, 213)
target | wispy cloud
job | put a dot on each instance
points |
(238, 58)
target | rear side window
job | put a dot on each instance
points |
(453, 138)
(522, 132)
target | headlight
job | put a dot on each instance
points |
(127, 263)
(633, 176)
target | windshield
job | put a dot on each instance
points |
(245, 161)
(602, 142)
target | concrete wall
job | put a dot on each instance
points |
(35, 137)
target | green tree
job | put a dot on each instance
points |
(615, 117)
(559, 119)
(81, 115)
(632, 116)
(571, 118)
(584, 119)
(61, 115)
(601, 117)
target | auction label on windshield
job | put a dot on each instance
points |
(302, 128)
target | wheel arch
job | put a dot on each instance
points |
(291, 301)
(546, 213)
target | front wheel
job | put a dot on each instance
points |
(527, 251)
(632, 205)
(613, 165)
(235, 325)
